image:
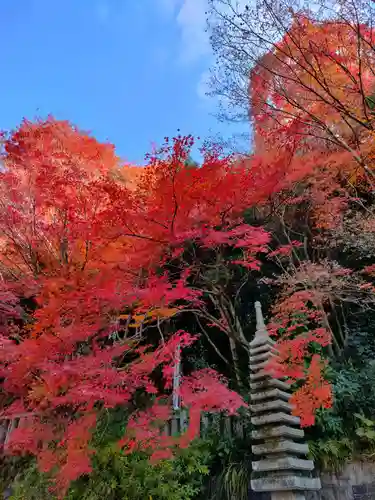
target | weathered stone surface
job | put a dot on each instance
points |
(275, 418)
(276, 432)
(284, 463)
(286, 483)
(267, 346)
(263, 364)
(266, 406)
(260, 340)
(267, 383)
(282, 446)
(262, 356)
(271, 393)
(291, 495)
(256, 377)
(259, 376)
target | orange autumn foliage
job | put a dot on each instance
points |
(311, 111)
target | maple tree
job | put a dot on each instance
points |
(95, 255)
(216, 226)
(310, 97)
(305, 80)
(213, 276)
(311, 105)
(81, 251)
(310, 101)
(303, 75)
(90, 255)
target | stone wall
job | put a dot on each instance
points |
(355, 482)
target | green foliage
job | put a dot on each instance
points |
(361, 336)
(230, 464)
(366, 433)
(133, 477)
(370, 101)
(331, 454)
(232, 482)
(30, 484)
(347, 431)
(354, 389)
(9, 468)
(118, 476)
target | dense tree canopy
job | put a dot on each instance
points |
(89, 265)
(108, 271)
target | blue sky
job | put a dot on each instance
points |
(129, 71)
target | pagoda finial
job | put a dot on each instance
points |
(260, 326)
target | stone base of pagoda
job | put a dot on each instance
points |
(287, 495)
(285, 483)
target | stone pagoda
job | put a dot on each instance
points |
(282, 468)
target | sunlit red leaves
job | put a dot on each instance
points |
(68, 150)
(315, 393)
(314, 390)
(177, 201)
(206, 390)
(299, 338)
(251, 240)
(52, 195)
(306, 77)
(130, 175)
(161, 292)
(146, 431)
(28, 436)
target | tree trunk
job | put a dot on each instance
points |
(236, 365)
